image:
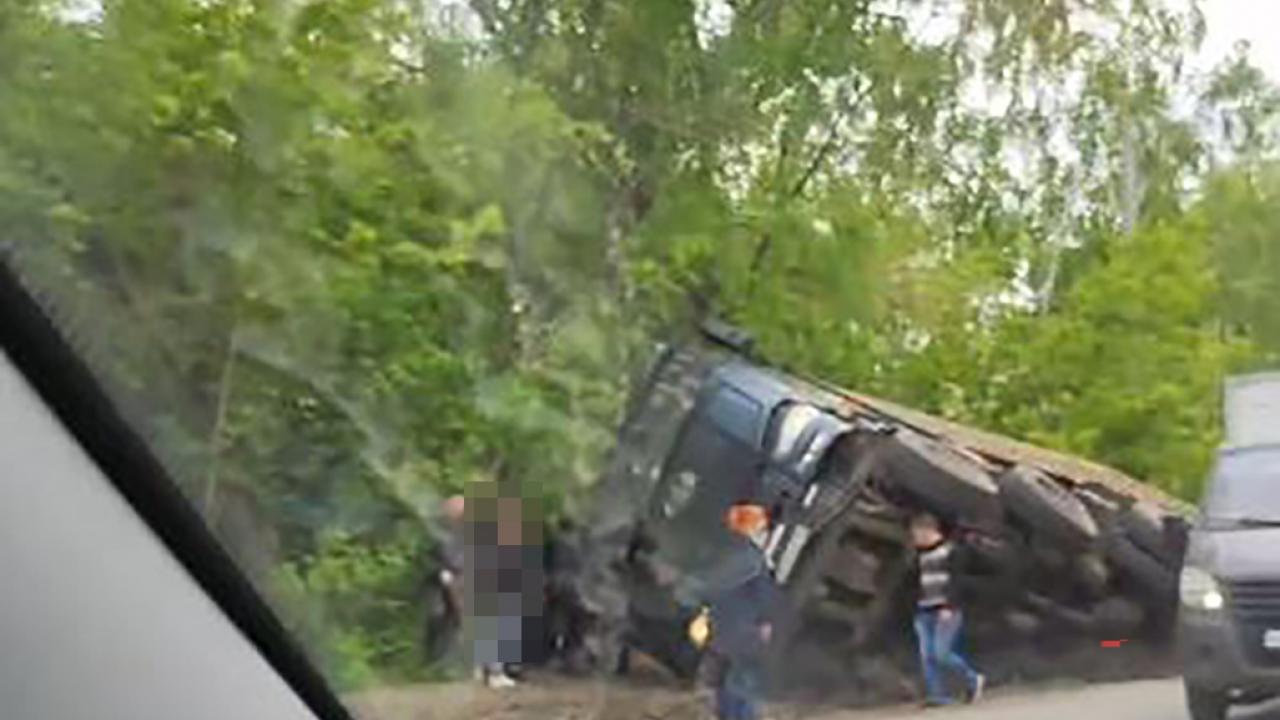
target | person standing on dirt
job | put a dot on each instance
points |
(450, 551)
(743, 599)
(566, 615)
(449, 557)
(504, 582)
(938, 619)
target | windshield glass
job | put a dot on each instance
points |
(377, 280)
(1246, 485)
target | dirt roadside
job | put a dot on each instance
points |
(550, 697)
(543, 698)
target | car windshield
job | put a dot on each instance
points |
(1246, 486)
(378, 282)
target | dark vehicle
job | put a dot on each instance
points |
(1063, 544)
(708, 427)
(1230, 610)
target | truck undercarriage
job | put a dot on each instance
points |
(1066, 554)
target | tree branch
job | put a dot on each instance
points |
(829, 143)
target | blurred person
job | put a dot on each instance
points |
(618, 568)
(445, 596)
(451, 549)
(742, 598)
(566, 613)
(938, 617)
(507, 590)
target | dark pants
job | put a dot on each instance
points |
(937, 636)
(738, 692)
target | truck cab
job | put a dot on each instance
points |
(732, 430)
(1230, 585)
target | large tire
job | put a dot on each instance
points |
(1091, 575)
(1021, 623)
(1118, 617)
(1046, 506)
(1156, 582)
(1001, 555)
(1203, 704)
(853, 568)
(942, 479)
(1061, 616)
(1143, 523)
(1104, 510)
(1050, 556)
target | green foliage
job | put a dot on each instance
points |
(369, 614)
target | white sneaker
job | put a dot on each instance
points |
(979, 684)
(498, 681)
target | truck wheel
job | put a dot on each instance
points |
(1119, 617)
(1044, 504)
(1061, 616)
(943, 479)
(1091, 575)
(1206, 704)
(1157, 582)
(1144, 524)
(1103, 509)
(1022, 623)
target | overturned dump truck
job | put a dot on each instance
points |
(1065, 553)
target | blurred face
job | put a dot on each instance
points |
(510, 521)
(925, 531)
(455, 507)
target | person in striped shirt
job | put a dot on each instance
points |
(938, 619)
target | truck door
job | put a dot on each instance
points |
(798, 440)
(716, 461)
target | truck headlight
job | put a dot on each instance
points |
(1200, 590)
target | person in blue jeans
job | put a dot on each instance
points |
(938, 619)
(743, 598)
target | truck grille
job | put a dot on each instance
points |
(1256, 606)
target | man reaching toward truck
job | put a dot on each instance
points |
(743, 599)
(939, 620)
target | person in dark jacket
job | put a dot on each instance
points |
(938, 619)
(444, 596)
(743, 599)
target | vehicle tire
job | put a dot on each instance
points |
(1143, 523)
(1104, 510)
(854, 568)
(1060, 616)
(1156, 581)
(1203, 704)
(1177, 534)
(942, 479)
(1050, 556)
(1022, 623)
(998, 555)
(1091, 575)
(1046, 506)
(1118, 617)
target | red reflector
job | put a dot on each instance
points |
(1113, 643)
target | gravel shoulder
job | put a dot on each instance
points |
(558, 698)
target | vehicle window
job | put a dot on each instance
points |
(788, 422)
(736, 413)
(1246, 484)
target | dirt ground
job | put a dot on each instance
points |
(541, 698)
(651, 693)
